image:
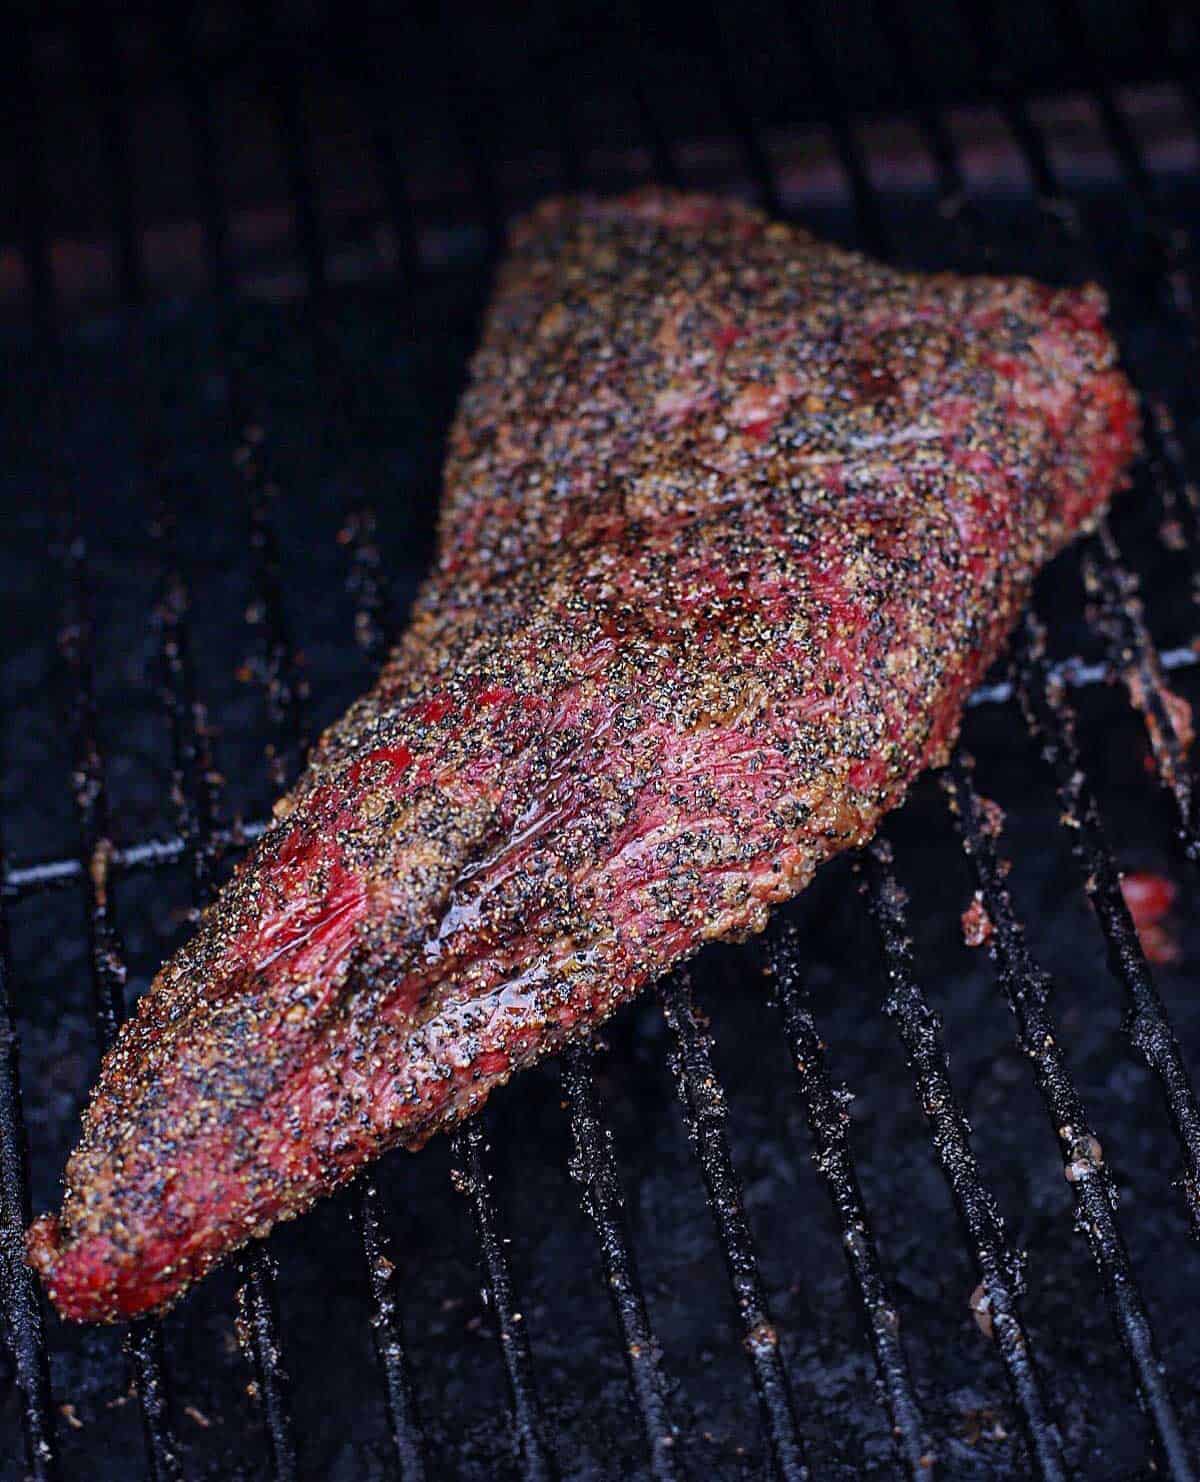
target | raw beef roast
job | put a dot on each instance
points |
(733, 521)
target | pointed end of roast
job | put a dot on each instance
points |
(86, 1280)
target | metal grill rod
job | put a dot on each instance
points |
(348, 40)
(149, 854)
(286, 693)
(1043, 1439)
(1179, 495)
(600, 1195)
(366, 581)
(954, 200)
(196, 792)
(407, 1436)
(143, 1343)
(829, 1125)
(594, 1168)
(257, 1294)
(663, 165)
(705, 1115)
(1052, 720)
(258, 1331)
(998, 1264)
(289, 120)
(870, 227)
(736, 109)
(1027, 989)
(703, 1103)
(23, 1328)
(1133, 655)
(472, 1177)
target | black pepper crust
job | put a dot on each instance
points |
(732, 522)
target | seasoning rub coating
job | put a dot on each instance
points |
(733, 521)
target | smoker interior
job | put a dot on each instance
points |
(242, 265)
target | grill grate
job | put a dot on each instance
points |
(22, 1315)
(594, 1168)
(829, 1123)
(201, 839)
(473, 1178)
(1050, 717)
(1000, 1271)
(705, 1111)
(1027, 988)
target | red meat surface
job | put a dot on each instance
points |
(733, 522)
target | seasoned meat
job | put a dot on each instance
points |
(733, 521)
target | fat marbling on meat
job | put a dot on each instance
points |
(733, 521)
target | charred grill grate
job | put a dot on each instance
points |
(1160, 287)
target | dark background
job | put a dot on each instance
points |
(365, 164)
